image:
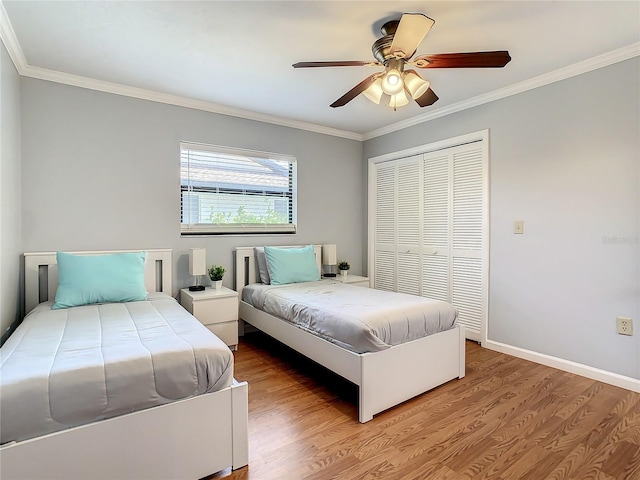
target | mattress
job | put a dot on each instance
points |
(356, 318)
(69, 367)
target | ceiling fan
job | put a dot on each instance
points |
(393, 51)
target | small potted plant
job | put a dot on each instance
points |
(216, 272)
(344, 267)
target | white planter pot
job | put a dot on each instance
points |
(344, 272)
(217, 284)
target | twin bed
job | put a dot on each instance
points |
(383, 342)
(141, 389)
(135, 389)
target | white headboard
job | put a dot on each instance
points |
(246, 271)
(41, 274)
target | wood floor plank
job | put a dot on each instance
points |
(533, 465)
(628, 428)
(572, 430)
(571, 463)
(507, 419)
(624, 461)
(629, 401)
(511, 451)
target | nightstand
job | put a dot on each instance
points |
(216, 309)
(351, 280)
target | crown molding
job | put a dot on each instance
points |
(14, 49)
(579, 68)
(10, 41)
(24, 69)
(180, 101)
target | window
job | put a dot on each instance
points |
(226, 190)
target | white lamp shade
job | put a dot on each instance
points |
(329, 255)
(392, 82)
(374, 92)
(398, 100)
(415, 84)
(197, 261)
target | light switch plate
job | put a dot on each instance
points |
(518, 226)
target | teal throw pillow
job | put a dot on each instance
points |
(291, 265)
(87, 279)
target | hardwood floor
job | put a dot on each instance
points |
(507, 419)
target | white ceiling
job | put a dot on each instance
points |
(238, 54)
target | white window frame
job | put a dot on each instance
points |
(188, 229)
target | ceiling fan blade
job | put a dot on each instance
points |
(346, 63)
(464, 60)
(412, 29)
(427, 98)
(355, 91)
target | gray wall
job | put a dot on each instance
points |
(565, 158)
(10, 247)
(101, 171)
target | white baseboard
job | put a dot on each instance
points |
(604, 376)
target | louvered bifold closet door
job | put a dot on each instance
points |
(408, 214)
(385, 228)
(435, 221)
(467, 235)
(429, 229)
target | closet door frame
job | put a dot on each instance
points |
(480, 136)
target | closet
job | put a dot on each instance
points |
(428, 225)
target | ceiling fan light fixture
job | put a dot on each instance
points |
(392, 82)
(398, 100)
(416, 85)
(374, 92)
(394, 51)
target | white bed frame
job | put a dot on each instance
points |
(190, 438)
(385, 378)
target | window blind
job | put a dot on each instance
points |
(230, 191)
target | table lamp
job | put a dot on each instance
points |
(197, 266)
(329, 258)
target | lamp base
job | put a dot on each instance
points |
(196, 288)
(329, 275)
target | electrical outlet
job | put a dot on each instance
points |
(624, 326)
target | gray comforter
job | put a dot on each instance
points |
(356, 318)
(63, 368)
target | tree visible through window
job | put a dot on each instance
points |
(225, 190)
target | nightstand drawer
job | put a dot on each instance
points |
(220, 311)
(216, 309)
(227, 332)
